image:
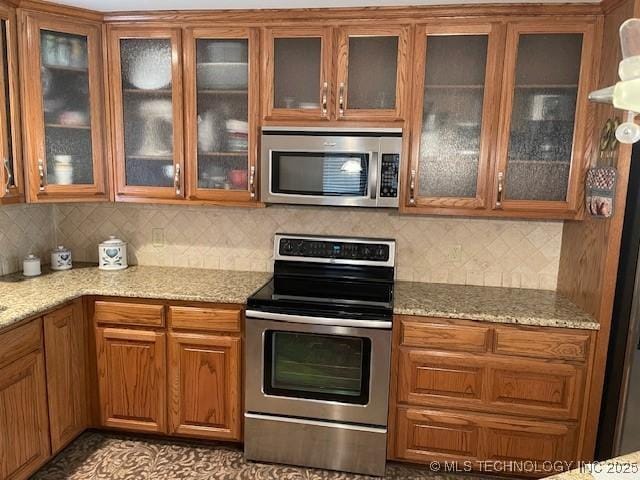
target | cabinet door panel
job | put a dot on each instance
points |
(24, 430)
(65, 345)
(455, 84)
(11, 186)
(64, 110)
(297, 70)
(132, 379)
(205, 385)
(221, 113)
(147, 102)
(371, 72)
(543, 124)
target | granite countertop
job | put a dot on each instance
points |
(30, 297)
(34, 295)
(603, 471)
(493, 304)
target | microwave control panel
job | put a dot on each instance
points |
(389, 171)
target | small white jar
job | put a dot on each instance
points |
(61, 258)
(31, 266)
(112, 254)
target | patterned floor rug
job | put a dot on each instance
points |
(101, 456)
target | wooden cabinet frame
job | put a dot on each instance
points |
(579, 161)
(14, 193)
(191, 35)
(34, 129)
(185, 397)
(126, 192)
(270, 112)
(489, 118)
(342, 72)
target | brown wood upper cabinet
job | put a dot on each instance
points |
(502, 121)
(301, 83)
(373, 62)
(146, 85)
(63, 94)
(221, 110)
(11, 184)
(456, 93)
(540, 157)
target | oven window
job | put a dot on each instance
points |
(320, 367)
(322, 174)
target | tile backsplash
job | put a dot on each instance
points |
(492, 252)
(25, 229)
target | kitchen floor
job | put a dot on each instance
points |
(102, 456)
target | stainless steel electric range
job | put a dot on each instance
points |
(318, 341)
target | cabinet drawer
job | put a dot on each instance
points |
(135, 314)
(445, 336)
(21, 340)
(542, 344)
(205, 319)
(427, 435)
(490, 383)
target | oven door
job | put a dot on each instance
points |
(326, 372)
(320, 170)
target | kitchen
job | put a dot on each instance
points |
(267, 243)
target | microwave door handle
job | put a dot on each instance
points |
(373, 176)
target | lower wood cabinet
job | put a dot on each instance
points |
(24, 429)
(435, 435)
(132, 378)
(204, 388)
(65, 339)
(474, 392)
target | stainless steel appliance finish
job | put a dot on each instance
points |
(318, 354)
(336, 167)
(335, 446)
(374, 412)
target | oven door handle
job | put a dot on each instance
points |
(338, 322)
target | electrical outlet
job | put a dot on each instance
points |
(455, 253)
(157, 237)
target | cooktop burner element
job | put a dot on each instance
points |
(343, 277)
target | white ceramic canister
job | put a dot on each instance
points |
(112, 254)
(61, 258)
(31, 266)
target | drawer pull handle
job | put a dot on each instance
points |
(41, 174)
(252, 182)
(177, 180)
(412, 188)
(500, 189)
(325, 88)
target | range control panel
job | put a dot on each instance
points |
(389, 175)
(319, 248)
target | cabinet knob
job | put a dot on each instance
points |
(412, 188)
(341, 100)
(41, 174)
(9, 178)
(252, 182)
(325, 88)
(177, 180)
(500, 189)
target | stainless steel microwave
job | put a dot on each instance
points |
(339, 167)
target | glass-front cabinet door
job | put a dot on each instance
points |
(297, 68)
(146, 80)
(64, 109)
(371, 72)
(221, 95)
(454, 84)
(541, 152)
(11, 187)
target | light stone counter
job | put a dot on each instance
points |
(529, 307)
(32, 296)
(492, 304)
(625, 471)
